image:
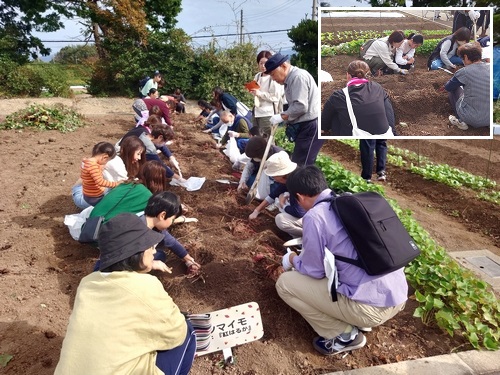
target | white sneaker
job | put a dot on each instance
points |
(456, 122)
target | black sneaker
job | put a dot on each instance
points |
(339, 345)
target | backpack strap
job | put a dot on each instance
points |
(355, 262)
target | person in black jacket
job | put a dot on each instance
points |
(371, 106)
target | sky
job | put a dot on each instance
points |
(217, 17)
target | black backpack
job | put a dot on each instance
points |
(380, 239)
(365, 46)
(143, 81)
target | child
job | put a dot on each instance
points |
(93, 183)
(162, 210)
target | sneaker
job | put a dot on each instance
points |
(381, 176)
(456, 122)
(368, 181)
(365, 329)
(339, 344)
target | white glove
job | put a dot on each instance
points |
(242, 186)
(253, 215)
(233, 134)
(404, 72)
(285, 262)
(474, 15)
(276, 119)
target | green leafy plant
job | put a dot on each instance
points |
(57, 117)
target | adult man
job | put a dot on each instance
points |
(362, 300)
(301, 116)
(238, 127)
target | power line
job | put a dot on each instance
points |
(237, 34)
(192, 37)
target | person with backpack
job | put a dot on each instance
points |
(150, 84)
(445, 53)
(372, 112)
(380, 54)
(405, 52)
(229, 103)
(338, 299)
(469, 89)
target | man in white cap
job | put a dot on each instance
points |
(301, 116)
(289, 220)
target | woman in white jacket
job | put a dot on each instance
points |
(405, 52)
(268, 98)
(380, 54)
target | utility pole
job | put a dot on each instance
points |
(241, 26)
(315, 10)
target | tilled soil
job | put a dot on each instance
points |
(41, 265)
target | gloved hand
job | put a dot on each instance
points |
(404, 72)
(193, 268)
(233, 134)
(254, 215)
(474, 15)
(276, 119)
(285, 262)
(242, 186)
(191, 220)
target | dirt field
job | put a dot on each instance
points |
(41, 265)
(416, 98)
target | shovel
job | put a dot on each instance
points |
(253, 190)
(227, 182)
(446, 70)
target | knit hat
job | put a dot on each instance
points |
(274, 61)
(255, 147)
(279, 164)
(123, 236)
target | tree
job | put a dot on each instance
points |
(20, 18)
(75, 54)
(115, 20)
(305, 39)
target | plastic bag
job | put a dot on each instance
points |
(75, 222)
(231, 150)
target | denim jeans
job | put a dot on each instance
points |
(455, 60)
(367, 148)
(77, 194)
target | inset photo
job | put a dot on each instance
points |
(406, 72)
